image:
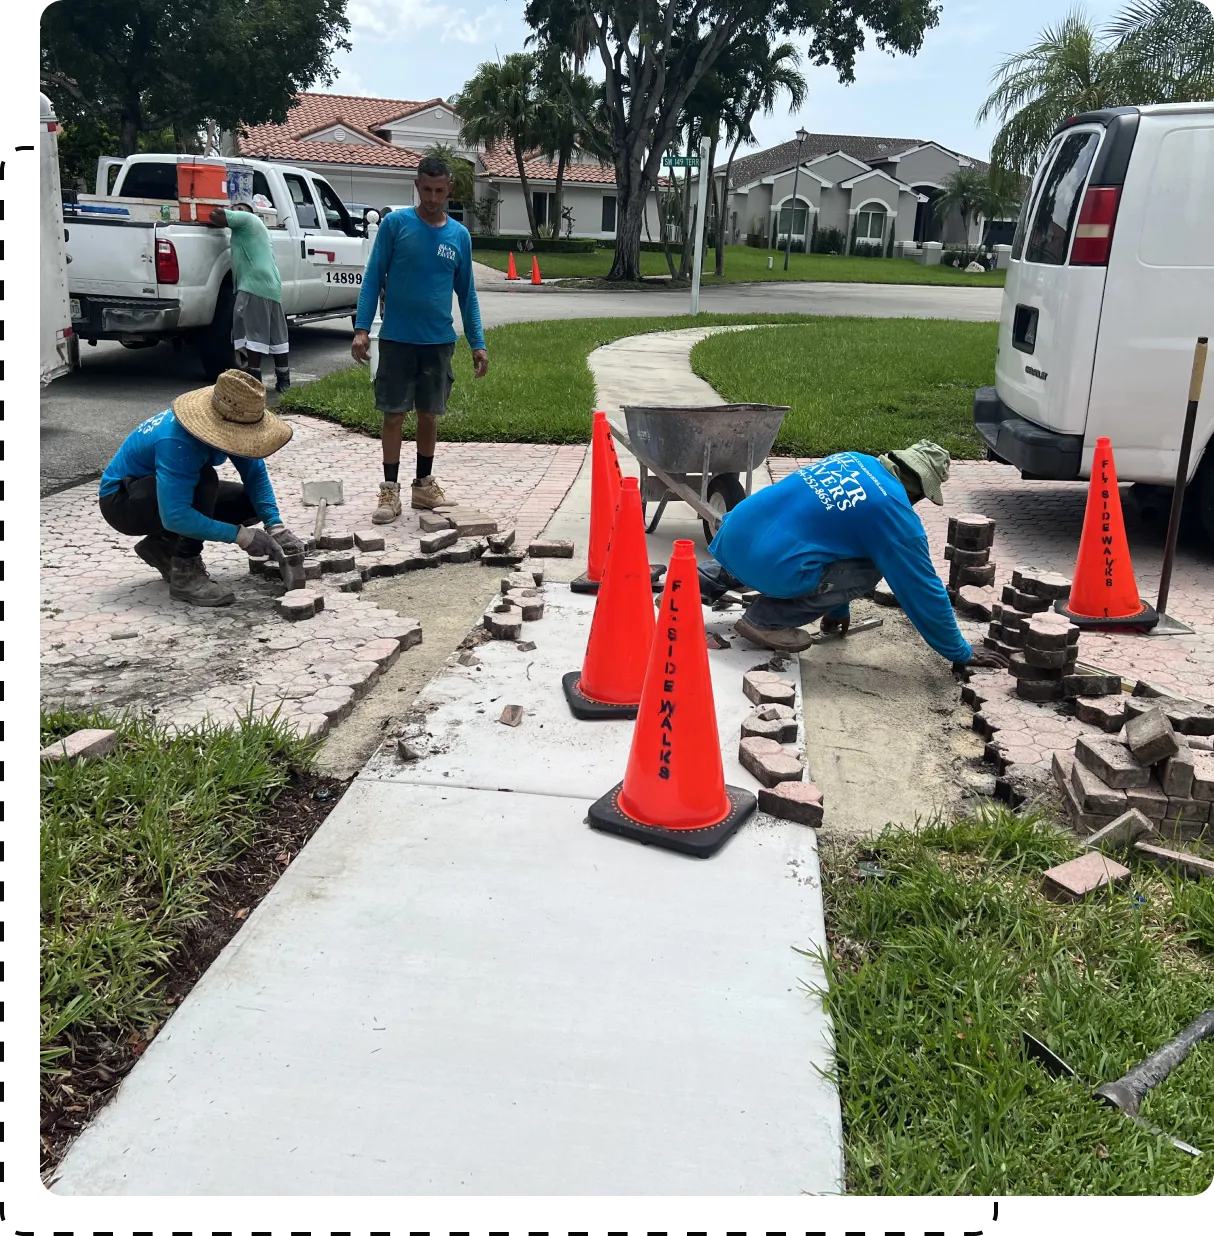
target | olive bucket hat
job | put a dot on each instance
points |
(232, 416)
(930, 463)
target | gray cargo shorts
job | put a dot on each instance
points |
(413, 375)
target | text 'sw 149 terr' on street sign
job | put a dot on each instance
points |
(680, 160)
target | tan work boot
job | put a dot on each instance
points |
(157, 552)
(189, 582)
(427, 495)
(389, 503)
(784, 639)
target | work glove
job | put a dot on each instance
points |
(835, 626)
(986, 658)
(258, 544)
(288, 542)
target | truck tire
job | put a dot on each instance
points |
(214, 343)
(1201, 494)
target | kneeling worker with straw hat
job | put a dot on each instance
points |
(162, 485)
(826, 535)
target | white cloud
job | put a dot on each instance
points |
(392, 19)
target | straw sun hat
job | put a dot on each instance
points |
(232, 417)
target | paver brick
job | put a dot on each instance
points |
(1106, 713)
(1093, 795)
(312, 568)
(510, 559)
(971, 531)
(550, 549)
(966, 557)
(775, 721)
(457, 553)
(1176, 774)
(439, 540)
(335, 540)
(337, 563)
(1151, 737)
(347, 581)
(767, 687)
(797, 801)
(1186, 810)
(512, 715)
(432, 521)
(975, 602)
(81, 745)
(500, 542)
(1019, 667)
(1091, 686)
(883, 594)
(1203, 776)
(1193, 865)
(1024, 601)
(368, 541)
(1049, 585)
(383, 652)
(406, 631)
(1149, 799)
(473, 523)
(1083, 876)
(972, 576)
(1049, 658)
(1121, 833)
(1113, 763)
(1050, 632)
(299, 604)
(504, 626)
(532, 608)
(768, 762)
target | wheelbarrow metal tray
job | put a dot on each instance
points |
(736, 435)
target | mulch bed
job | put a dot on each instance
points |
(99, 1064)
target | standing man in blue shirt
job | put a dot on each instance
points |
(421, 257)
(826, 535)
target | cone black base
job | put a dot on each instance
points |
(607, 816)
(586, 709)
(585, 584)
(1143, 621)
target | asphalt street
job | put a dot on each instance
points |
(86, 415)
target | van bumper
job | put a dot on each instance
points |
(1039, 453)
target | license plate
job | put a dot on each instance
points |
(75, 307)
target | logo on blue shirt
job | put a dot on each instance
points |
(448, 252)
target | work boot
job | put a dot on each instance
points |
(389, 503)
(157, 553)
(427, 495)
(782, 639)
(190, 582)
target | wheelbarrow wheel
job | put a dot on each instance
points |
(724, 493)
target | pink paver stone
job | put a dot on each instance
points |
(1082, 876)
(768, 762)
(382, 651)
(798, 801)
(767, 687)
(81, 745)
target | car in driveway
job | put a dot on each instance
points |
(1110, 284)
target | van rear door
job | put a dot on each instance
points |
(1051, 307)
(1159, 299)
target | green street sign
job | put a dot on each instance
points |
(680, 160)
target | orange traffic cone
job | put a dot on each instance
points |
(511, 273)
(621, 633)
(535, 270)
(604, 498)
(1105, 593)
(674, 793)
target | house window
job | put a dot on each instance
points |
(870, 225)
(545, 207)
(608, 214)
(797, 218)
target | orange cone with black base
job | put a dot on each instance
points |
(535, 270)
(621, 633)
(511, 273)
(674, 793)
(1105, 593)
(604, 498)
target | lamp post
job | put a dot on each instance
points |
(792, 214)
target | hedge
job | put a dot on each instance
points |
(505, 243)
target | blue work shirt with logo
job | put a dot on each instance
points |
(780, 539)
(163, 448)
(417, 267)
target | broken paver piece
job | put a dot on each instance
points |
(299, 604)
(500, 542)
(1151, 737)
(491, 559)
(550, 549)
(457, 553)
(775, 721)
(518, 581)
(976, 602)
(368, 541)
(1106, 713)
(526, 645)
(718, 643)
(765, 687)
(431, 521)
(1176, 774)
(1113, 763)
(512, 715)
(1121, 833)
(798, 801)
(504, 626)
(768, 762)
(81, 745)
(532, 608)
(347, 581)
(1191, 864)
(439, 540)
(1082, 876)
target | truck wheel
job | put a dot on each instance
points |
(1201, 495)
(724, 493)
(215, 341)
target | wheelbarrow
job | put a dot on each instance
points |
(697, 454)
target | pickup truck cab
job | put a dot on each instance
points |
(139, 274)
(1110, 284)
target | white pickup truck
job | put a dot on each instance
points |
(139, 275)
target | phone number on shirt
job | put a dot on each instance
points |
(343, 276)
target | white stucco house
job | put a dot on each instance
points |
(369, 148)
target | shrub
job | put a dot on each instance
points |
(519, 243)
(829, 240)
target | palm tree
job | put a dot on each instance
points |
(566, 121)
(501, 103)
(462, 173)
(966, 191)
(1167, 50)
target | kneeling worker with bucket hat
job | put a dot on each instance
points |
(825, 535)
(162, 485)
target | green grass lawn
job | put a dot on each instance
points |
(131, 847)
(874, 383)
(746, 265)
(863, 384)
(935, 970)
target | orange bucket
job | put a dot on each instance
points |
(201, 186)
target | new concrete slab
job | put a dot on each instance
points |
(453, 991)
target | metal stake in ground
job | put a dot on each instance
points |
(1169, 626)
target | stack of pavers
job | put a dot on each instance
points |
(968, 549)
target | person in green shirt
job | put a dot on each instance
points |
(259, 326)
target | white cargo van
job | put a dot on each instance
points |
(1110, 283)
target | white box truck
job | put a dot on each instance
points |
(57, 347)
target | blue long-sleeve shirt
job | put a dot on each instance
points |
(780, 539)
(161, 447)
(417, 267)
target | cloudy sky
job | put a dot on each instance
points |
(417, 49)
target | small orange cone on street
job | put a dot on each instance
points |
(1105, 593)
(511, 273)
(674, 793)
(535, 270)
(604, 498)
(621, 633)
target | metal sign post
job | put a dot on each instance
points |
(701, 203)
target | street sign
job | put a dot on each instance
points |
(680, 160)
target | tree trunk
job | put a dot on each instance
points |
(129, 126)
(522, 175)
(558, 196)
(725, 200)
(630, 214)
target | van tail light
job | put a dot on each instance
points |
(166, 262)
(1094, 232)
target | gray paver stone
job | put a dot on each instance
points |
(500, 542)
(1046, 584)
(883, 594)
(81, 745)
(1046, 633)
(1149, 799)
(335, 540)
(1092, 793)
(975, 602)
(1113, 763)
(1203, 776)
(1106, 713)
(797, 801)
(1047, 658)
(526, 645)
(1038, 691)
(504, 626)
(768, 762)
(406, 631)
(491, 559)
(1119, 835)
(1177, 773)
(299, 604)
(337, 563)
(439, 540)
(550, 549)
(1092, 686)
(1192, 865)
(473, 523)
(347, 581)
(966, 557)
(368, 541)
(1061, 763)
(314, 725)
(972, 576)
(775, 721)
(432, 521)
(1024, 601)
(457, 553)
(1082, 876)
(312, 568)
(1151, 737)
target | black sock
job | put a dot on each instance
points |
(391, 471)
(425, 465)
(282, 378)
